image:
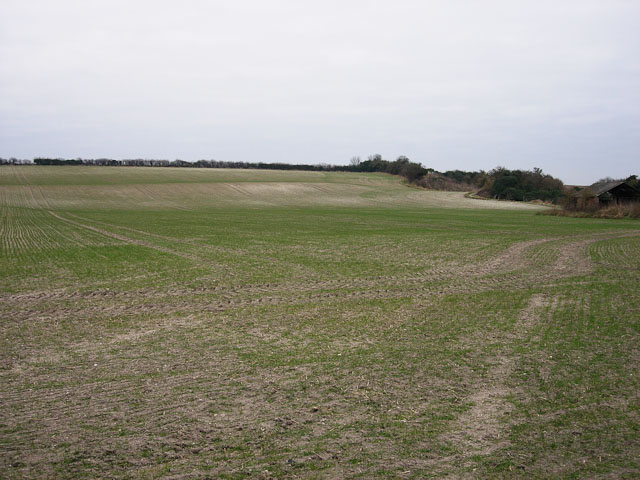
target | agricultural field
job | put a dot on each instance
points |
(179, 323)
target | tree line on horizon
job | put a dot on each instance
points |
(499, 183)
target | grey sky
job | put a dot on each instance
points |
(453, 84)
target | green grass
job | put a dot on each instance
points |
(248, 324)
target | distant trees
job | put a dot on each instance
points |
(355, 164)
(15, 161)
(402, 166)
(373, 163)
(476, 179)
(438, 181)
(57, 161)
(506, 186)
(522, 185)
(519, 185)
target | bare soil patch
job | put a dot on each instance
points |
(483, 428)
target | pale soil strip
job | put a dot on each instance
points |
(482, 429)
(572, 256)
(238, 189)
(145, 190)
(512, 259)
(45, 200)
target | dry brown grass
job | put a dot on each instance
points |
(623, 210)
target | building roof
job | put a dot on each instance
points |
(600, 188)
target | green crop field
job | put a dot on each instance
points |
(179, 323)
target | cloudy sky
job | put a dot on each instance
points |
(464, 84)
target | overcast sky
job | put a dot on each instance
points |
(452, 84)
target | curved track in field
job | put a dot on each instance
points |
(517, 267)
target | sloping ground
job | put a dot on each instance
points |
(160, 188)
(181, 339)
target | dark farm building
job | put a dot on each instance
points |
(611, 193)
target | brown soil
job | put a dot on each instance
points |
(483, 428)
(194, 406)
